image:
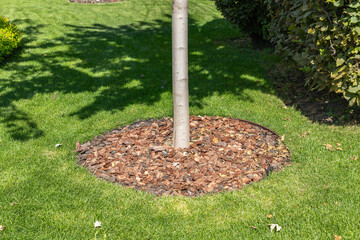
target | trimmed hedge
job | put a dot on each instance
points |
(10, 37)
(249, 15)
(323, 37)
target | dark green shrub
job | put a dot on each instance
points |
(249, 15)
(10, 37)
(323, 37)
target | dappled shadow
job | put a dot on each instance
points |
(130, 64)
(30, 30)
(18, 124)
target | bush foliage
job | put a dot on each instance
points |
(10, 37)
(322, 36)
(249, 15)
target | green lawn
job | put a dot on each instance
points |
(109, 65)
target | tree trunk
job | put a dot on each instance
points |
(180, 73)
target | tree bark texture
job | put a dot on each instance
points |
(180, 73)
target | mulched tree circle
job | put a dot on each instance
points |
(95, 1)
(224, 154)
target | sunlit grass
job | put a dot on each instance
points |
(86, 69)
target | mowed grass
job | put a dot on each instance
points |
(85, 69)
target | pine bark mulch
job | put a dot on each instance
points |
(224, 154)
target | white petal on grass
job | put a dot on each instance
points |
(1, 227)
(58, 145)
(97, 224)
(272, 226)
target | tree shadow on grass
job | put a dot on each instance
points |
(129, 64)
(17, 122)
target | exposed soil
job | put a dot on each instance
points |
(224, 154)
(318, 106)
(95, 1)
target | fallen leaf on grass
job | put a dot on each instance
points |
(58, 145)
(273, 226)
(1, 227)
(340, 149)
(337, 237)
(269, 216)
(338, 144)
(77, 146)
(305, 134)
(97, 224)
(12, 204)
(329, 147)
(253, 227)
(282, 137)
(325, 204)
(53, 96)
(355, 158)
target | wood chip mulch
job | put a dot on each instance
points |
(224, 154)
(95, 1)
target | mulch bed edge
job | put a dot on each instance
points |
(140, 156)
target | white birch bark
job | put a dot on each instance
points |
(180, 73)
